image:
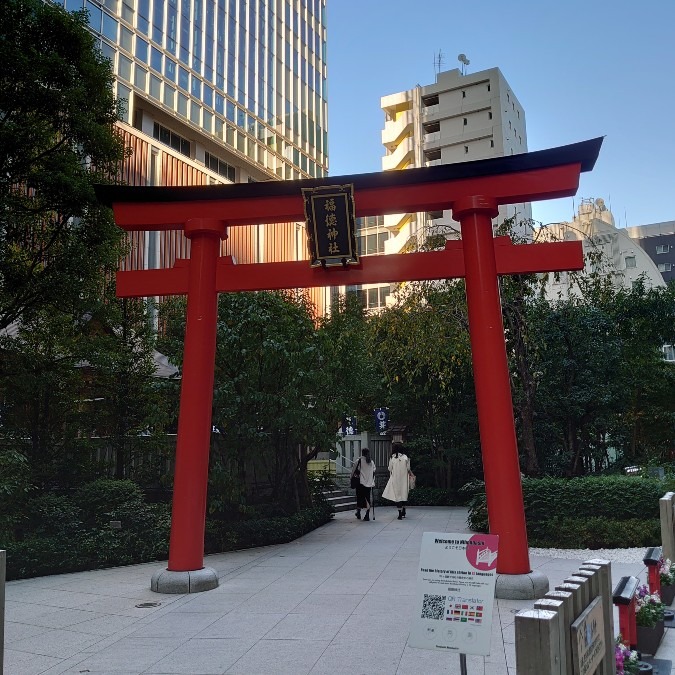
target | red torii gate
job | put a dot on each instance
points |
(473, 191)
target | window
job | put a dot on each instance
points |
(463, 94)
(372, 298)
(466, 121)
(219, 166)
(630, 262)
(669, 353)
(124, 68)
(662, 248)
(665, 267)
(466, 149)
(140, 77)
(168, 137)
(489, 115)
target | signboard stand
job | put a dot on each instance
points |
(455, 594)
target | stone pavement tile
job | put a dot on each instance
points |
(25, 612)
(297, 585)
(21, 631)
(307, 627)
(266, 573)
(281, 657)
(215, 603)
(175, 624)
(23, 663)
(56, 642)
(417, 661)
(283, 560)
(129, 655)
(47, 596)
(239, 584)
(378, 605)
(369, 658)
(105, 624)
(64, 618)
(388, 628)
(344, 586)
(127, 606)
(204, 656)
(323, 604)
(398, 569)
(266, 602)
(249, 626)
(389, 586)
(350, 571)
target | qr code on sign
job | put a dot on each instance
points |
(433, 606)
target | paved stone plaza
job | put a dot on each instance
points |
(338, 600)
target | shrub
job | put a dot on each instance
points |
(100, 499)
(45, 555)
(619, 511)
(264, 532)
(428, 496)
(53, 515)
(594, 533)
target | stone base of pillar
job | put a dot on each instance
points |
(195, 581)
(521, 586)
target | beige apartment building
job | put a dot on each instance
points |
(458, 118)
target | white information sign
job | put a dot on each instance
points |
(455, 592)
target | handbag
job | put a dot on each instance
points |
(355, 480)
(412, 480)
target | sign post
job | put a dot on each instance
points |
(455, 593)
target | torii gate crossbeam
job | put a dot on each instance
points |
(473, 191)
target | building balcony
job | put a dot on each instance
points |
(396, 102)
(399, 157)
(394, 222)
(393, 132)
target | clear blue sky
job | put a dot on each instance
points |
(579, 69)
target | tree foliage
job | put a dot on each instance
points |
(57, 111)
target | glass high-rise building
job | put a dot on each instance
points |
(218, 91)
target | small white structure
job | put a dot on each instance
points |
(622, 257)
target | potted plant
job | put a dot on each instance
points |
(627, 662)
(667, 574)
(649, 619)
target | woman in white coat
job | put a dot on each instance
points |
(399, 473)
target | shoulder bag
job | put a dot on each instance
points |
(356, 476)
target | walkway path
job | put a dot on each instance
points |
(338, 600)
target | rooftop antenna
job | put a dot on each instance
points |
(464, 61)
(439, 59)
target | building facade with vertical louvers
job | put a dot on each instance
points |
(218, 91)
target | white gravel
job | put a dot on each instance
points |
(618, 555)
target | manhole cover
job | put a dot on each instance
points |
(148, 604)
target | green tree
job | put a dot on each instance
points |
(422, 348)
(273, 408)
(355, 384)
(57, 112)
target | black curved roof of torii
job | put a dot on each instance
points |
(584, 153)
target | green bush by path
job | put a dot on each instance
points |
(596, 533)
(74, 533)
(265, 531)
(592, 512)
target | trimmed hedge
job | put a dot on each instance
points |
(67, 534)
(222, 537)
(618, 511)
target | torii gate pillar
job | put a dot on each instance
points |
(491, 378)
